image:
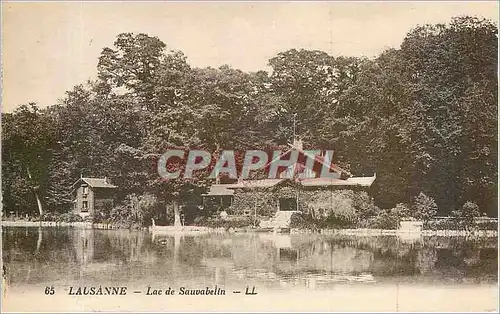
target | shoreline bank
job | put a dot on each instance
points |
(390, 232)
(77, 224)
(204, 230)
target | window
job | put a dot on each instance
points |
(85, 206)
(226, 201)
(288, 204)
(85, 190)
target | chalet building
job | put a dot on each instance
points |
(90, 194)
(288, 193)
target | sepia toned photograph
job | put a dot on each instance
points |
(247, 156)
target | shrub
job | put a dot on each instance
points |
(383, 219)
(65, 217)
(424, 207)
(339, 221)
(455, 223)
(487, 225)
(134, 212)
(262, 201)
(467, 214)
(338, 203)
(401, 212)
(69, 217)
(307, 221)
(386, 218)
(101, 213)
(443, 224)
(303, 221)
(239, 222)
(217, 222)
(48, 217)
(364, 205)
(89, 218)
(200, 221)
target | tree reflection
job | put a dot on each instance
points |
(41, 254)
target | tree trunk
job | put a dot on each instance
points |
(38, 201)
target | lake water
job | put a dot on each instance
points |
(287, 272)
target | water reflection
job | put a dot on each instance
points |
(43, 255)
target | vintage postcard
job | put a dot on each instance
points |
(249, 156)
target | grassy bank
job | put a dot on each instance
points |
(385, 221)
(213, 229)
(390, 232)
(26, 223)
(76, 224)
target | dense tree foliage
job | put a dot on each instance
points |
(423, 117)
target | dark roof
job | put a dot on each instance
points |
(217, 190)
(267, 183)
(319, 159)
(96, 183)
(322, 161)
(222, 189)
(264, 183)
(353, 181)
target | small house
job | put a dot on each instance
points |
(90, 194)
(288, 193)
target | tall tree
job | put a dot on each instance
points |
(27, 141)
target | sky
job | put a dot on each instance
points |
(49, 47)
